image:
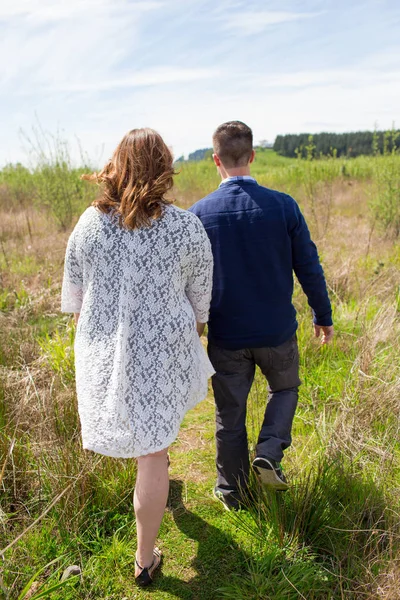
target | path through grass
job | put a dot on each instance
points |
(333, 535)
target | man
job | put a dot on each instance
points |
(259, 237)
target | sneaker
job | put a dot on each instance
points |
(270, 473)
(228, 502)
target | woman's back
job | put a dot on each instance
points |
(138, 275)
(143, 271)
(139, 293)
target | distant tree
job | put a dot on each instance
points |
(265, 144)
(200, 154)
(345, 144)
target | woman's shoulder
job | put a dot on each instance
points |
(90, 214)
(87, 223)
(184, 218)
(90, 218)
(86, 217)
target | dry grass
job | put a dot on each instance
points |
(40, 451)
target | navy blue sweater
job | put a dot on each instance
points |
(259, 237)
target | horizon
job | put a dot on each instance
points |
(284, 68)
(260, 145)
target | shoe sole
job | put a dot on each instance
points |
(226, 506)
(220, 500)
(270, 478)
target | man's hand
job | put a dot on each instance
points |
(200, 328)
(327, 333)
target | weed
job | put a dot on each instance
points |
(385, 199)
(58, 351)
(334, 534)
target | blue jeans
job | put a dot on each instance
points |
(235, 370)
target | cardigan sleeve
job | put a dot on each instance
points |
(72, 287)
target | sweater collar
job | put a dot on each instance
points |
(238, 179)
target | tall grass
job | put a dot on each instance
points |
(318, 541)
(334, 534)
(312, 182)
(52, 182)
(385, 199)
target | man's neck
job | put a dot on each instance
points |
(236, 172)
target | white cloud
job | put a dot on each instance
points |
(98, 68)
(187, 116)
(187, 113)
(149, 77)
(53, 45)
(38, 11)
(251, 22)
(356, 77)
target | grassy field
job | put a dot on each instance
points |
(333, 535)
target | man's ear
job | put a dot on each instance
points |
(252, 156)
(216, 160)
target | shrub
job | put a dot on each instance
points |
(385, 202)
(57, 182)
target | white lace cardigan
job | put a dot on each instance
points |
(140, 364)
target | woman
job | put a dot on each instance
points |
(138, 276)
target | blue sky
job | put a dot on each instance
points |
(97, 68)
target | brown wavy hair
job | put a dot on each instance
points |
(136, 179)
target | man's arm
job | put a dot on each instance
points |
(310, 274)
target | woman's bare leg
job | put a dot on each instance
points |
(150, 499)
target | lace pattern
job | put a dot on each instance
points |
(140, 364)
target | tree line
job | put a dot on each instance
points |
(342, 144)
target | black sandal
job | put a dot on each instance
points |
(145, 576)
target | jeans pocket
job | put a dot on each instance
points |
(283, 356)
(225, 361)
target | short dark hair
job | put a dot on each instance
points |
(233, 143)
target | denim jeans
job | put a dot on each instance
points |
(235, 370)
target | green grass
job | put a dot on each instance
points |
(288, 174)
(195, 532)
(334, 534)
(302, 542)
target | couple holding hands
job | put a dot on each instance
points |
(143, 277)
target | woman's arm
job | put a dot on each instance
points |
(72, 287)
(199, 284)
